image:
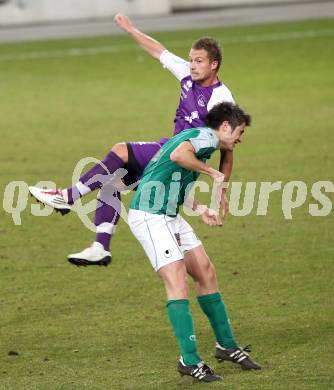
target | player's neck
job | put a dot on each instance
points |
(212, 80)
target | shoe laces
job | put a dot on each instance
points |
(247, 348)
(205, 369)
(240, 352)
(58, 191)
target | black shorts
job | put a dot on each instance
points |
(134, 169)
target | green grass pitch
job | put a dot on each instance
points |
(106, 328)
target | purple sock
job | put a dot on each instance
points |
(96, 176)
(104, 239)
(107, 215)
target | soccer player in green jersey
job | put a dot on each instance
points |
(171, 244)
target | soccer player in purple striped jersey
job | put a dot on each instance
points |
(200, 88)
(200, 91)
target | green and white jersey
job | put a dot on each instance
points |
(164, 184)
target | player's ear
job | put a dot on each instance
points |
(214, 65)
(225, 125)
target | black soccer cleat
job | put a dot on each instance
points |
(237, 355)
(201, 372)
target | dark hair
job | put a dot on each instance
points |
(229, 112)
(212, 47)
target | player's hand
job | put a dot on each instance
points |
(216, 176)
(123, 22)
(211, 218)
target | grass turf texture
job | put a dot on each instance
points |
(107, 328)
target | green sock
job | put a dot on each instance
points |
(182, 323)
(213, 306)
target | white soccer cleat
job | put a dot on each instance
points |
(94, 255)
(52, 198)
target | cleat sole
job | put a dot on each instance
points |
(250, 368)
(84, 263)
(64, 211)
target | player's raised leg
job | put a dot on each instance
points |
(62, 199)
(100, 175)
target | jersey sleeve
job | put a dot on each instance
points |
(219, 95)
(204, 140)
(176, 65)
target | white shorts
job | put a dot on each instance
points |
(164, 238)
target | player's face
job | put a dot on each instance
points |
(230, 137)
(201, 68)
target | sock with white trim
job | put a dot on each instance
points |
(95, 177)
(107, 216)
(213, 306)
(182, 323)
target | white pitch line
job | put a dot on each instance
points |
(92, 51)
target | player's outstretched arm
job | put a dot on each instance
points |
(150, 45)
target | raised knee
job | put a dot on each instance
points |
(121, 150)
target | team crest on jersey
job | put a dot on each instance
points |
(201, 101)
